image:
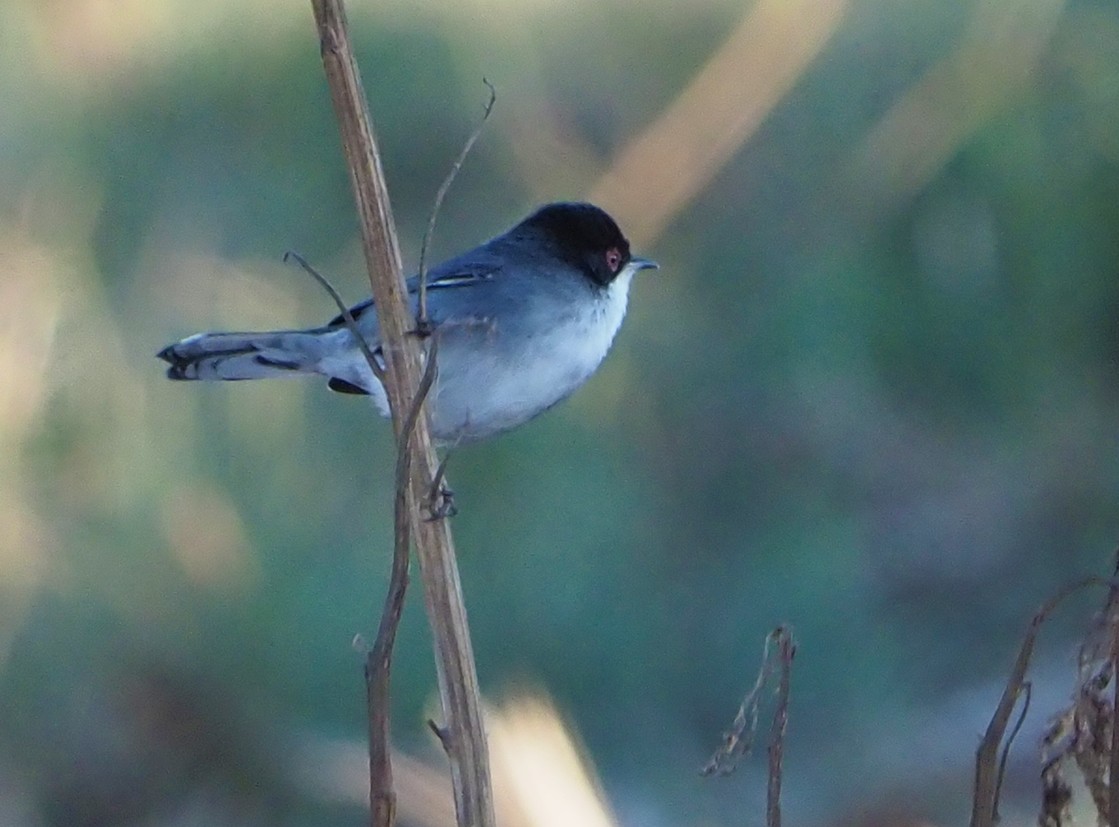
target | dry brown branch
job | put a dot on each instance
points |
(343, 308)
(740, 738)
(541, 772)
(466, 742)
(1083, 735)
(1056, 796)
(378, 661)
(985, 793)
(1113, 763)
(378, 666)
(1027, 695)
(1107, 625)
(786, 650)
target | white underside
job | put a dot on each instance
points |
(484, 390)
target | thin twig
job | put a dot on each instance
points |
(378, 663)
(1027, 695)
(441, 193)
(378, 660)
(1113, 764)
(441, 734)
(347, 316)
(431, 370)
(738, 741)
(378, 669)
(984, 812)
(1082, 735)
(1110, 620)
(786, 650)
(1111, 623)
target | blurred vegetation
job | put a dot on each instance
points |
(872, 392)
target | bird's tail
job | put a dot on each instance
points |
(232, 356)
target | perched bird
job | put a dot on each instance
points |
(523, 320)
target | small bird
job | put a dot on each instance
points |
(522, 321)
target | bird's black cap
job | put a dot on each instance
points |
(583, 234)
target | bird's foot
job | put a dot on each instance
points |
(441, 504)
(424, 328)
(441, 499)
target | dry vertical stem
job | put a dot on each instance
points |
(378, 659)
(1056, 796)
(440, 194)
(786, 650)
(1113, 764)
(458, 685)
(1092, 742)
(985, 803)
(1082, 736)
(740, 738)
(1111, 621)
(738, 741)
(1026, 694)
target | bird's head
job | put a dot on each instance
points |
(587, 237)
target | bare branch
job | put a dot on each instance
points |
(738, 741)
(1056, 796)
(441, 733)
(786, 651)
(344, 309)
(1113, 763)
(1027, 694)
(1083, 734)
(441, 193)
(1109, 621)
(378, 663)
(985, 792)
(378, 659)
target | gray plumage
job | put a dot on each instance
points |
(523, 320)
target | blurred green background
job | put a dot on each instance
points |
(872, 393)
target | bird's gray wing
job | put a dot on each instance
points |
(469, 270)
(463, 271)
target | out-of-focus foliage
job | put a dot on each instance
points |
(872, 392)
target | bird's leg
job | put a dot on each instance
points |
(424, 328)
(441, 498)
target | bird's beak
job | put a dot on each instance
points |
(637, 263)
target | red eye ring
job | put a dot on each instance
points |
(613, 259)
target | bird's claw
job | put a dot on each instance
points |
(442, 503)
(424, 328)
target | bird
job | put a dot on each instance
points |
(522, 320)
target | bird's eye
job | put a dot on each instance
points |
(613, 259)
